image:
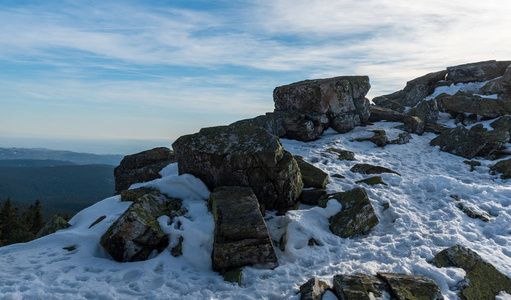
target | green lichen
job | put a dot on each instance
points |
(372, 181)
(342, 154)
(178, 249)
(234, 275)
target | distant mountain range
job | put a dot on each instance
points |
(59, 155)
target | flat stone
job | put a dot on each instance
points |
(370, 169)
(312, 176)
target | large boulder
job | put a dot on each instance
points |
(341, 99)
(465, 103)
(142, 167)
(396, 286)
(503, 167)
(426, 110)
(242, 155)
(385, 102)
(241, 236)
(482, 280)
(357, 215)
(500, 86)
(379, 113)
(477, 72)
(502, 123)
(292, 124)
(137, 233)
(53, 225)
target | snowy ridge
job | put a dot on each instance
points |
(421, 221)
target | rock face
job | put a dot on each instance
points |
(341, 99)
(427, 111)
(480, 71)
(241, 236)
(503, 167)
(501, 86)
(136, 233)
(141, 167)
(312, 177)
(482, 280)
(53, 225)
(242, 155)
(292, 124)
(357, 215)
(397, 286)
(313, 289)
(472, 104)
(379, 113)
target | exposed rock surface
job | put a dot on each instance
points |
(414, 124)
(370, 169)
(470, 210)
(372, 181)
(136, 233)
(385, 286)
(341, 99)
(142, 167)
(242, 155)
(357, 215)
(53, 225)
(379, 114)
(462, 102)
(482, 280)
(342, 154)
(312, 176)
(402, 138)
(312, 197)
(500, 86)
(479, 71)
(385, 102)
(292, 124)
(503, 167)
(313, 289)
(241, 236)
(379, 138)
(426, 110)
(502, 123)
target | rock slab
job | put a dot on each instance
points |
(242, 155)
(313, 289)
(341, 99)
(241, 236)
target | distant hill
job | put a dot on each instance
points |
(48, 211)
(46, 154)
(71, 187)
(26, 163)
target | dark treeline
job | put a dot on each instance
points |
(20, 226)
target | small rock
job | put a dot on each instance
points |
(53, 225)
(414, 124)
(312, 176)
(342, 154)
(403, 138)
(503, 167)
(472, 164)
(233, 275)
(482, 280)
(372, 181)
(313, 289)
(386, 103)
(97, 221)
(357, 215)
(379, 138)
(370, 169)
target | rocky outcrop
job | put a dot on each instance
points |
(502, 123)
(500, 86)
(313, 289)
(312, 176)
(242, 155)
(379, 114)
(464, 103)
(241, 236)
(357, 215)
(503, 167)
(470, 143)
(396, 286)
(414, 124)
(370, 169)
(53, 225)
(482, 280)
(426, 110)
(341, 99)
(136, 233)
(292, 124)
(477, 72)
(385, 102)
(142, 167)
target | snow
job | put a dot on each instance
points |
(421, 221)
(463, 87)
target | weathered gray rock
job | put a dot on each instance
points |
(357, 215)
(397, 286)
(459, 141)
(312, 197)
(53, 225)
(494, 140)
(472, 104)
(402, 138)
(503, 167)
(341, 99)
(482, 280)
(500, 86)
(370, 169)
(435, 128)
(313, 289)
(502, 123)
(379, 138)
(342, 154)
(241, 236)
(292, 124)
(242, 155)
(477, 72)
(470, 210)
(312, 176)
(379, 114)
(372, 181)
(414, 124)
(385, 102)
(426, 110)
(136, 233)
(142, 167)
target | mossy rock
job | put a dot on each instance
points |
(178, 249)
(97, 221)
(411, 287)
(312, 176)
(467, 103)
(372, 181)
(134, 194)
(482, 280)
(370, 169)
(342, 154)
(357, 215)
(503, 167)
(313, 289)
(460, 141)
(53, 225)
(234, 276)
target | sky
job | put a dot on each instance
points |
(150, 71)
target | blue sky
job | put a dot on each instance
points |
(154, 70)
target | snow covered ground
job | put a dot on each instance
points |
(421, 221)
